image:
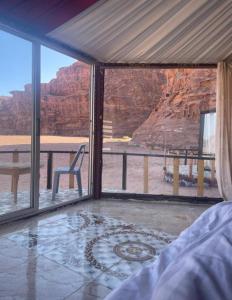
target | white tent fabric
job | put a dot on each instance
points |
(224, 130)
(152, 31)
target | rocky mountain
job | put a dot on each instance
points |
(65, 102)
(64, 105)
(130, 97)
(154, 107)
(175, 119)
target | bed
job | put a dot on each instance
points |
(197, 265)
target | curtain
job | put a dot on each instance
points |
(223, 150)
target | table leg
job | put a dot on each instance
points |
(14, 186)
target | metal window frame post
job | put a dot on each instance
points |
(98, 95)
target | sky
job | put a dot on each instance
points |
(16, 63)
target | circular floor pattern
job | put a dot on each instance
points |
(79, 221)
(134, 251)
(133, 246)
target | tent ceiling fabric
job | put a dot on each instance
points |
(152, 31)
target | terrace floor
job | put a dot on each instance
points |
(7, 203)
(85, 250)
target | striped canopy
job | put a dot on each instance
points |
(152, 31)
(129, 31)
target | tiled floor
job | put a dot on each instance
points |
(85, 251)
(7, 203)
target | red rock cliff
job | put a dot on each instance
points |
(130, 96)
(175, 119)
(152, 106)
(64, 105)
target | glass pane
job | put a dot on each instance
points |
(153, 140)
(15, 122)
(64, 127)
(209, 133)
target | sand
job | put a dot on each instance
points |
(7, 140)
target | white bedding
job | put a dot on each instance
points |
(197, 265)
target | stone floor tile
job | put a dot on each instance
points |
(72, 256)
(39, 278)
(84, 251)
(80, 296)
(7, 203)
(109, 281)
(92, 290)
(12, 255)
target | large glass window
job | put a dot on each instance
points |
(65, 128)
(15, 122)
(152, 121)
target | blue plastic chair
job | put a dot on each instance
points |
(74, 169)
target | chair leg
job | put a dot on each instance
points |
(79, 184)
(55, 187)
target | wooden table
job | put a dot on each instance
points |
(15, 169)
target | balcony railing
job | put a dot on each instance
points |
(189, 160)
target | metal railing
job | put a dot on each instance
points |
(188, 159)
(50, 155)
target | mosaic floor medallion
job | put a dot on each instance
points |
(134, 251)
(124, 246)
(95, 247)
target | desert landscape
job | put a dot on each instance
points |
(151, 111)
